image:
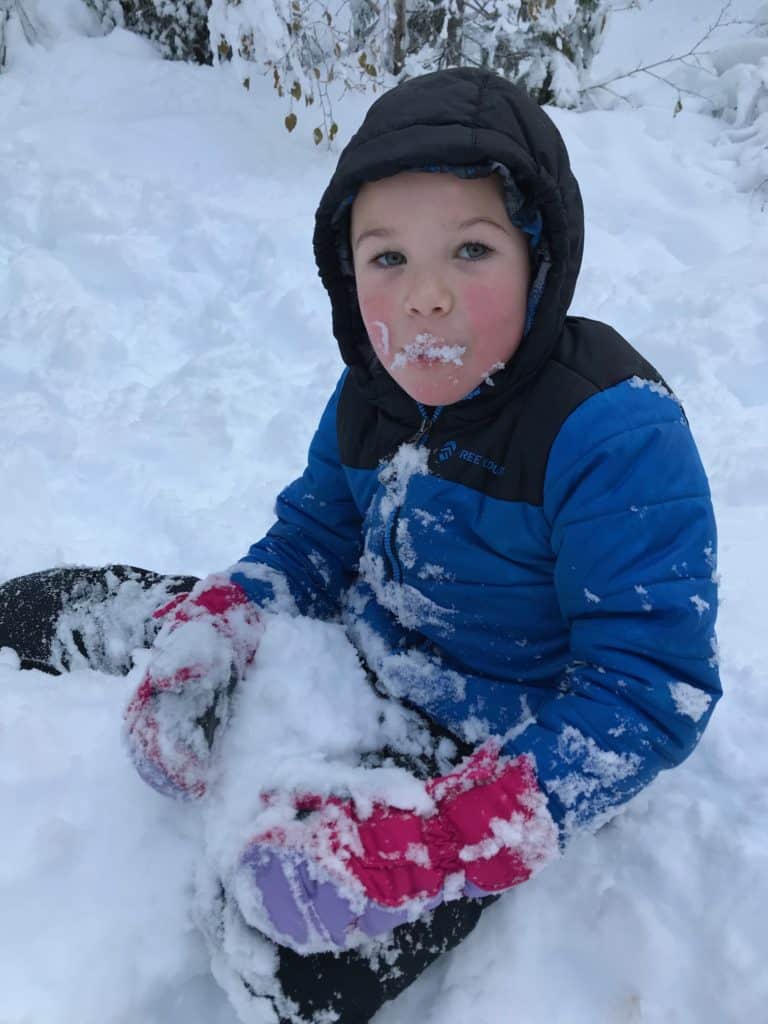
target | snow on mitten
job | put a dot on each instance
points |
(207, 640)
(497, 818)
(330, 879)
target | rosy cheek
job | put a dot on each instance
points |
(489, 308)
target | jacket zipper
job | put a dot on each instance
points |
(390, 530)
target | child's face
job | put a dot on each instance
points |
(442, 280)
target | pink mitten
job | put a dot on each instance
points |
(208, 639)
(330, 879)
(498, 819)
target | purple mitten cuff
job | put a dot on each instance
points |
(279, 895)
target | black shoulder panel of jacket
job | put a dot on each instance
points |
(498, 446)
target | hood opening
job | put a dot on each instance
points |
(469, 121)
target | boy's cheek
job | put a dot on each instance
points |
(490, 309)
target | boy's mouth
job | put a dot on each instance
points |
(427, 350)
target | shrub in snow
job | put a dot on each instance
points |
(178, 27)
(729, 81)
(17, 22)
(739, 95)
(304, 46)
(546, 45)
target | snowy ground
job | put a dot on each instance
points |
(165, 350)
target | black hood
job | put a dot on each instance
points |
(460, 116)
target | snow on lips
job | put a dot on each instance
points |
(427, 349)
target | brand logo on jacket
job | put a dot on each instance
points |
(448, 449)
(452, 450)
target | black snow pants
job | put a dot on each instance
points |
(93, 617)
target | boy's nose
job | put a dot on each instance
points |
(428, 296)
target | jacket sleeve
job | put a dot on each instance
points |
(633, 537)
(310, 554)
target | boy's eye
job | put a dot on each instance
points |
(389, 259)
(468, 251)
(474, 250)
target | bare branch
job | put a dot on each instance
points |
(694, 51)
(617, 95)
(679, 89)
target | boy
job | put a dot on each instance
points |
(505, 506)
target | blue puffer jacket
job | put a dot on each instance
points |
(537, 561)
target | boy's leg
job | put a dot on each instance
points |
(83, 617)
(269, 983)
(348, 987)
(355, 985)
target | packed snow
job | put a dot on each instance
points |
(165, 352)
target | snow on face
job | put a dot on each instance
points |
(383, 339)
(442, 280)
(426, 349)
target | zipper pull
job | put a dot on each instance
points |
(423, 428)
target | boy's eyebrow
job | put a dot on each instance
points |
(470, 222)
(482, 220)
(374, 233)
